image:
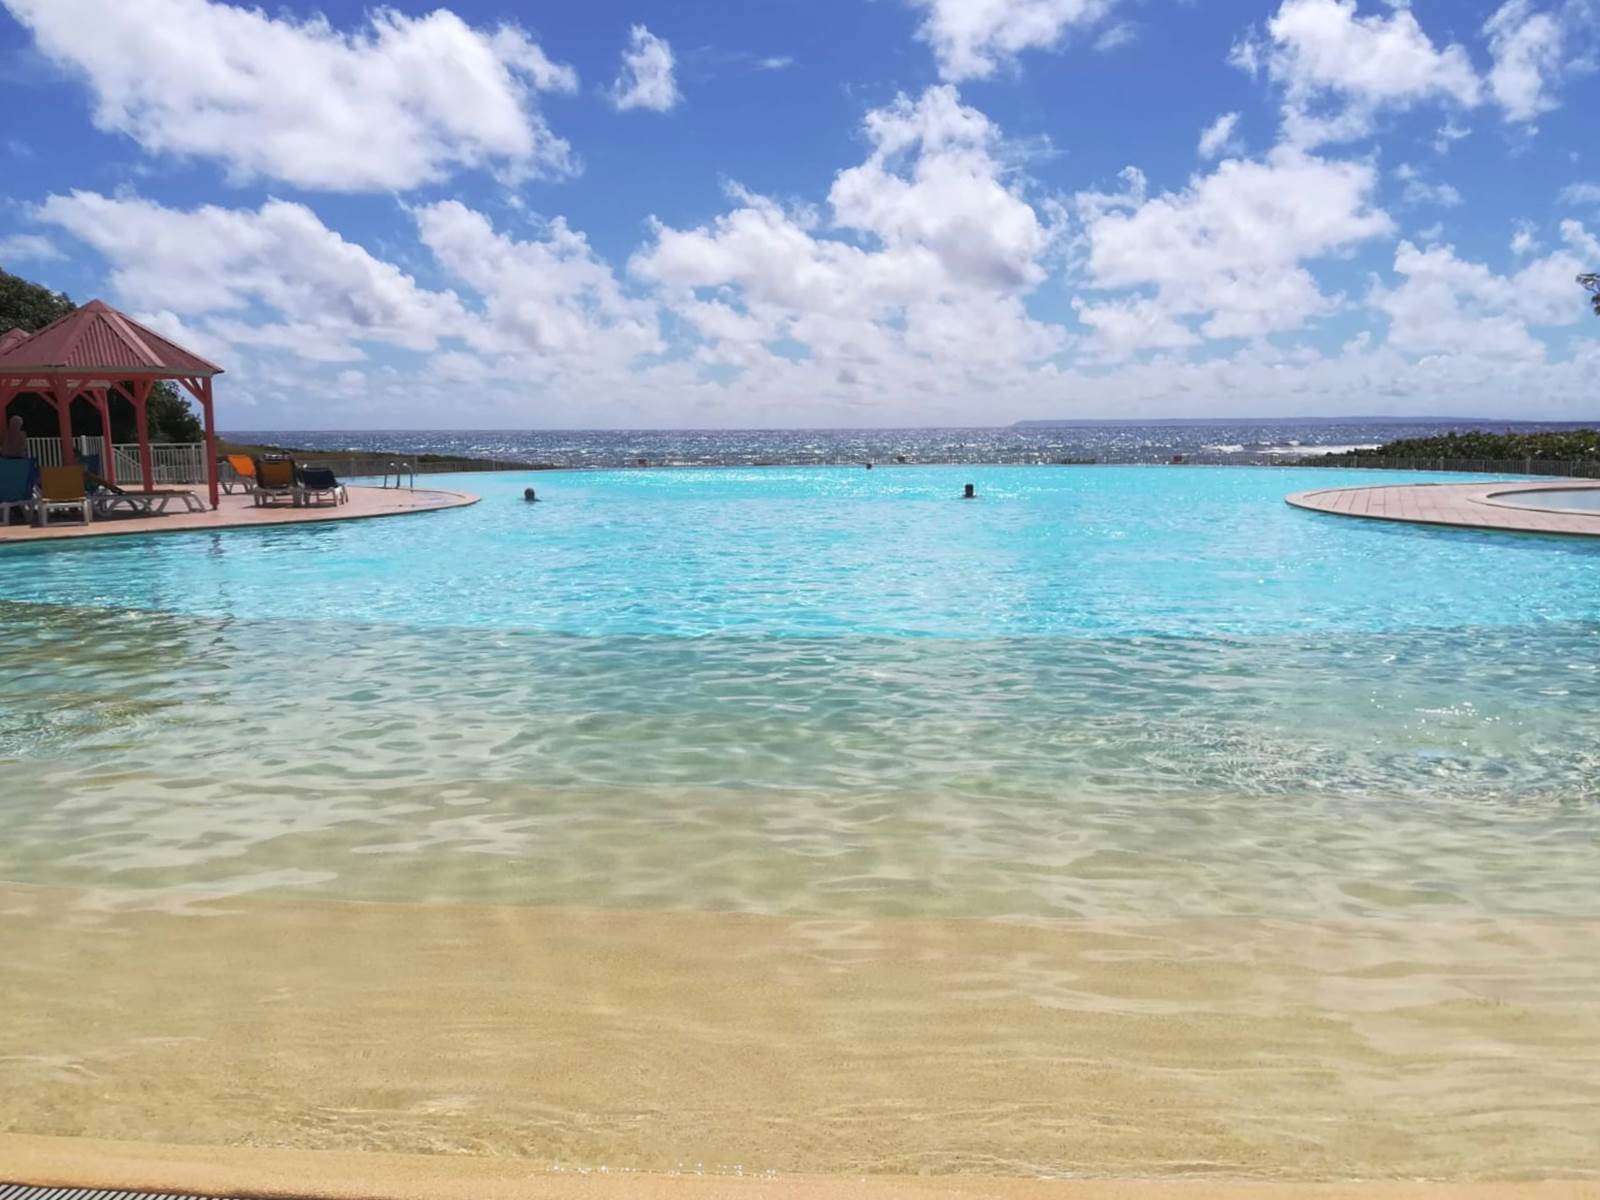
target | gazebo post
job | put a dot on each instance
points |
(211, 440)
(108, 470)
(140, 389)
(200, 388)
(61, 396)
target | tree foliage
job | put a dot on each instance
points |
(1592, 282)
(1570, 445)
(31, 306)
(28, 305)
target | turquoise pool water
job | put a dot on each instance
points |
(1091, 552)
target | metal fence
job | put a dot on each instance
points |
(172, 462)
(1580, 469)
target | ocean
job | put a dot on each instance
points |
(1220, 441)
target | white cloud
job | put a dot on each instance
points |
(547, 298)
(1417, 189)
(28, 247)
(1217, 137)
(1339, 68)
(1580, 194)
(972, 39)
(1446, 305)
(329, 296)
(1449, 134)
(645, 79)
(1527, 50)
(932, 299)
(402, 102)
(1525, 239)
(1230, 248)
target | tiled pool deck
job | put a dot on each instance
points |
(239, 512)
(1463, 505)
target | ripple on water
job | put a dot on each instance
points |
(1025, 778)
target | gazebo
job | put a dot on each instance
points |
(96, 352)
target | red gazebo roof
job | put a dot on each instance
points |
(12, 337)
(98, 340)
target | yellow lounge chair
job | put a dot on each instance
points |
(62, 489)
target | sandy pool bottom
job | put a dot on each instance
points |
(570, 1040)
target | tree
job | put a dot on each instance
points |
(171, 418)
(31, 306)
(28, 305)
(1592, 282)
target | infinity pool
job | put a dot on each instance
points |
(1119, 821)
(1087, 552)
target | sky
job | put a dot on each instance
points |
(822, 213)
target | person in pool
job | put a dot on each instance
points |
(529, 496)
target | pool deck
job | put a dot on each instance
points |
(1458, 505)
(238, 511)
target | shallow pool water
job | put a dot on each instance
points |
(1587, 499)
(1119, 820)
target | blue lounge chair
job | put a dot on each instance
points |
(16, 487)
(313, 485)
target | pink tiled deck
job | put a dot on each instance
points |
(1466, 505)
(238, 512)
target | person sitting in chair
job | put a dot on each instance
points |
(15, 444)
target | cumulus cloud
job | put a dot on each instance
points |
(646, 78)
(1229, 249)
(548, 297)
(930, 255)
(401, 102)
(1446, 305)
(1339, 68)
(972, 39)
(275, 281)
(330, 296)
(1527, 49)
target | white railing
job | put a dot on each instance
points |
(46, 451)
(171, 462)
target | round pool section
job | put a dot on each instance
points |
(1564, 499)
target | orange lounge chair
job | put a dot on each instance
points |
(239, 471)
(62, 489)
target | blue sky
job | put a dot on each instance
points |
(783, 213)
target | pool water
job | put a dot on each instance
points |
(1587, 499)
(817, 820)
(1089, 552)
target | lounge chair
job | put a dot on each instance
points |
(62, 489)
(142, 503)
(238, 471)
(16, 487)
(275, 482)
(317, 485)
